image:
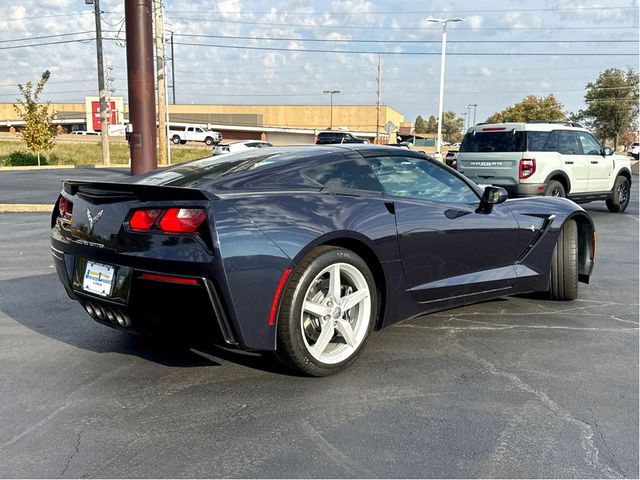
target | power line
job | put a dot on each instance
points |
(430, 12)
(17, 19)
(327, 40)
(386, 28)
(13, 47)
(484, 54)
(40, 37)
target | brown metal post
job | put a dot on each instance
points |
(140, 73)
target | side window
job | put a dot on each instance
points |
(568, 143)
(419, 178)
(353, 173)
(190, 129)
(536, 141)
(590, 145)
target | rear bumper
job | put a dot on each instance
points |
(142, 306)
(525, 189)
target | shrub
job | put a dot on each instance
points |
(24, 159)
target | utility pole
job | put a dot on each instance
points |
(102, 91)
(379, 80)
(142, 108)
(161, 74)
(173, 71)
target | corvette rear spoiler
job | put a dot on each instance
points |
(98, 192)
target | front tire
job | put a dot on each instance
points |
(328, 311)
(555, 189)
(208, 141)
(563, 284)
(620, 195)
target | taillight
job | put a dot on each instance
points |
(182, 220)
(143, 220)
(527, 167)
(65, 208)
(171, 220)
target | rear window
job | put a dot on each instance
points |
(503, 141)
(198, 172)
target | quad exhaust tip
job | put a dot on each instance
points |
(106, 313)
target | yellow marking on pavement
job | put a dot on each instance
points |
(25, 208)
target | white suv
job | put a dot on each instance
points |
(555, 159)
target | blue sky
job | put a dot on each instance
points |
(489, 61)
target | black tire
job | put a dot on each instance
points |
(208, 141)
(563, 284)
(175, 139)
(620, 195)
(182, 142)
(292, 346)
(555, 189)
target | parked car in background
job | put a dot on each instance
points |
(239, 146)
(84, 132)
(195, 134)
(332, 136)
(634, 150)
(553, 159)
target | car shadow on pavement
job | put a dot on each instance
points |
(40, 304)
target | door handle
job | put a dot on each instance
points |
(568, 162)
(594, 162)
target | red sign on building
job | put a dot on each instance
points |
(95, 114)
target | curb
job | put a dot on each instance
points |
(25, 208)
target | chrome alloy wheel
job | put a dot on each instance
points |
(336, 313)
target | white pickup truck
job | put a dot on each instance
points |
(195, 134)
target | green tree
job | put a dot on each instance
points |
(38, 131)
(420, 126)
(531, 108)
(432, 125)
(452, 126)
(612, 104)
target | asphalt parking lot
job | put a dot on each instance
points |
(518, 387)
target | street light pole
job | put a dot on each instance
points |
(331, 92)
(444, 22)
(475, 106)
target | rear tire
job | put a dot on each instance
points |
(175, 139)
(555, 189)
(328, 311)
(563, 284)
(620, 195)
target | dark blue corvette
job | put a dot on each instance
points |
(305, 250)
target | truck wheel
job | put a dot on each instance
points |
(563, 283)
(620, 195)
(208, 141)
(182, 142)
(175, 139)
(555, 189)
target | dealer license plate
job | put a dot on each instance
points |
(98, 279)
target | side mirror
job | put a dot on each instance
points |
(608, 151)
(490, 197)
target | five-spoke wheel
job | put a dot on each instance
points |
(327, 312)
